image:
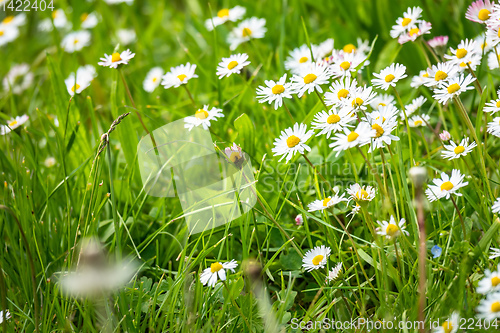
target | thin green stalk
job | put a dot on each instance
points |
(407, 125)
(116, 222)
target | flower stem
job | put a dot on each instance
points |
(321, 99)
(288, 111)
(459, 215)
(236, 306)
(132, 100)
(476, 81)
(113, 200)
(189, 94)
(407, 124)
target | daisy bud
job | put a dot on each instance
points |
(299, 220)
(418, 175)
(445, 136)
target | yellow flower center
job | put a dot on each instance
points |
(333, 119)
(83, 17)
(303, 60)
(246, 32)
(278, 89)
(425, 75)
(232, 64)
(362, 194)
(155, 79)
(406, 21)
(498, 104)
(309, 78)
(13, 123)
(447, 327)
(55, 14)
(392, 229)
(292, 141)
(8, 19)
(453, 88)
(459, 149)
(495, 281)
(498, 33)
(215, 267)
(357, 102)
(349, 48)
(75, 87)
(352, 136)
(414, 31)
(345, 65)
(446, 186)
(1, 32)
(326, 201)
(495, 307)
(75, 41)
(418, 122)
(379, 130)
(223, 13)
(182, 77)
(342, 93)
(235, 156)
(440, 75)
(201, 114)
(381, 104)
(463, 64)
(116, 57)
(461, 53)
(389, 78)
(316, 260)
(483, 14)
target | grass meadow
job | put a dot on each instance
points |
(353, 224)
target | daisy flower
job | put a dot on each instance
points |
(409, 20)
(445, 136)
(414, 105)
(178, 75)
(14, 21)
(419, 120)
(466, 51)
(203, 117)
(389, 76)
(323, 49)
(58, 19)
(115, 59)
(310, 79)
(493, 106)
(490, 283)
(335, 120)
(340, 92)
(438, 42)
(382, 100)
(234, 154)
(479, 11)
(494, 127)
(292, 140)
(349, 139)
(494, 253)
(453, 87)
(415, 32)
(360, 193)
(383, 114)
(4, 315)
(453, 150)
(226, 14)
(49, 162)
(493, 34)
(419, 79)
(383, 134)
(298, 58)
(153, 79)
(334, 273)
(18, 79)
(217, 269)
(496, 206)
(126, 36)
(250, 28)
(489, 308)
(13, 123)
(316, 258)
(355, 210)
(445, 186)
(275, 92)
(232, 65)
(8, 34)
(493, 60)
(75, 41)
(346, 64)
(451, 325)
(439, 73)
(299, 220)
(361, 98)
(84, 76)
(88, 21)
(391, 229)
(326, 203)
(363, 47)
